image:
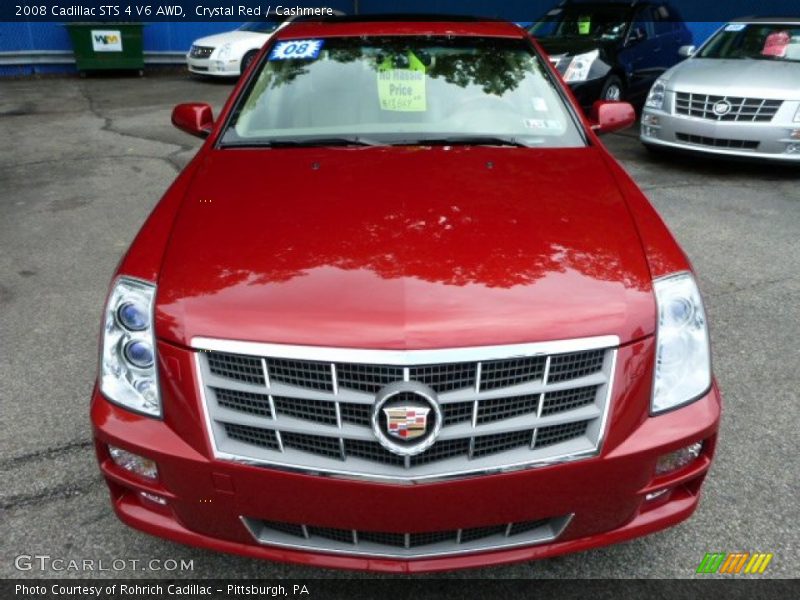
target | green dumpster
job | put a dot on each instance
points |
(107, 46)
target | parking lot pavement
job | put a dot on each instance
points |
(82, 162)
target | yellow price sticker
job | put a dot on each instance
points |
(402, 90)
(584, 25)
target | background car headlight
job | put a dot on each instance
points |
(580, 65)
(224, 51)
(128, 374)
(683, 356)
(655, 98)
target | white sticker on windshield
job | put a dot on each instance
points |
(305, 49)
(539, 104)
(542, 124)
(735, 26)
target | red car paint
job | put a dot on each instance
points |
(431, 247)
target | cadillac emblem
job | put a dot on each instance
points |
(722, 108)
(406, 422)
(406, 417)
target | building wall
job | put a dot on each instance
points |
(45, 47)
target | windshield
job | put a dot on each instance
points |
(606, 21)
(403, 90)
(261, 26)
(755, 41)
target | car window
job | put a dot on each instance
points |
(642, 26)
(763, 41)
(664, 21)
(596, 20)
(403, 90)
(261, 26)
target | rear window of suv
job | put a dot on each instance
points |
(403, 89)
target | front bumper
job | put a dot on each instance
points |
(214, 68)
(776, 140)
(207, 499)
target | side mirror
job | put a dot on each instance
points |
(686, 51)
(194, 118)
(612, 116)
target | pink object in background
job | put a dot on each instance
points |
(776, 44)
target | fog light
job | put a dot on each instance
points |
(139, 465)
(153, 498)
(793, 149)
(650, 120)
(678, 459)
(656, 495)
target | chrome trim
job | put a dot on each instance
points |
(558, 526)
(476, 354)
(404, 357)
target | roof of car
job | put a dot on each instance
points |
(781, 20)
(401, 24)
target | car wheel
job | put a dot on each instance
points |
(613, 89)
(246, 60)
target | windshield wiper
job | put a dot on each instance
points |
(467, 140)
(303, 142)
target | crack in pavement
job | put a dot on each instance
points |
(57, 493)
(46, 453)
(84, 158)
(108, 126)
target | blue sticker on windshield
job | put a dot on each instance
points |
(303, 49)
(735, 26)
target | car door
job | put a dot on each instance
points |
(667, 29)
(641, 53)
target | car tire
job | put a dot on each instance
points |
(613, 89)
(246, 60)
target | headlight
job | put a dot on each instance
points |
(128, 359)
(579, 66)
(797, 115)
(224, 51)
(683, 357)
(655, 99)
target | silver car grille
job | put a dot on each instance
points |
(406, 545)
(502, 407)
(201, 51)
(717, 142)
(754, 110)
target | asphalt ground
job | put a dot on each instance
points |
(83, 161)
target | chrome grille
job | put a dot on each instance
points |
(717, 142)
(541, 402)
(409, 545)
(753, 110)
(200, 51)
(504, 373)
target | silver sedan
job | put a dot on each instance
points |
(737, 95)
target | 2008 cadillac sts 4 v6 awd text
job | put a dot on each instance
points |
(404, 312)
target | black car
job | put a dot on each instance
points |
(612, 50)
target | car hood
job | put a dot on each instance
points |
(750, 78)
(400, 248)
(232, 37)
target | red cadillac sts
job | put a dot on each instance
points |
(403, 312)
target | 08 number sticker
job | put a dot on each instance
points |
(303, 49)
